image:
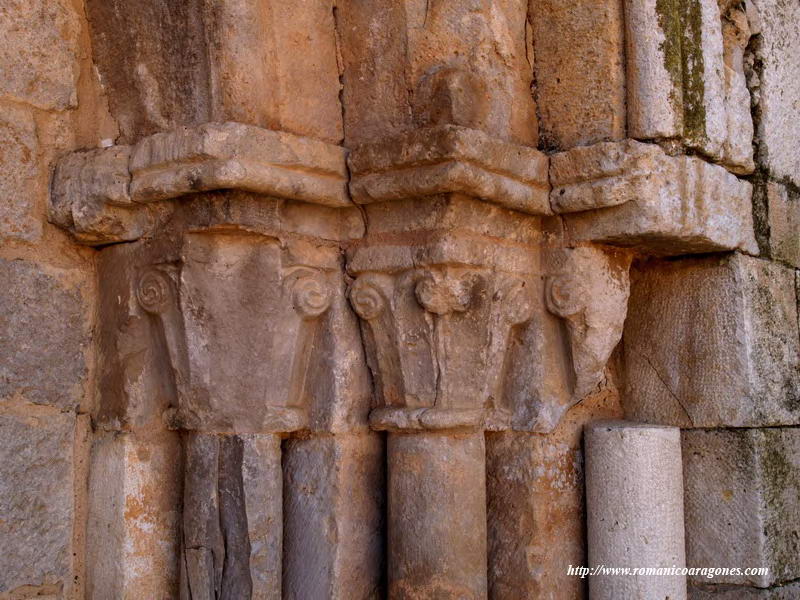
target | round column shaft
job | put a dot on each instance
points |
(437, 515)
(634, 497)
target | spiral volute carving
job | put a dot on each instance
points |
(311, 296)
(563, 295)
(154, 291)
(367, 299)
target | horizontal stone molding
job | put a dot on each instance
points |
(451, 159)
(602, 175)
(117, 193)
(647, 199)
(445, 248)
(425, 419)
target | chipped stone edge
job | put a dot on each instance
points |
(114, 194)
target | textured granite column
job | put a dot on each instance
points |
(634, 498)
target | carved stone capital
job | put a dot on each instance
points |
(589, 288)
(436, 338)
(123, 193)
(239, 315)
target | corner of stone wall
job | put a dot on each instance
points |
(50, 103)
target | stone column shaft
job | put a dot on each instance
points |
(232, 517)
(437, 515)
(634, 497)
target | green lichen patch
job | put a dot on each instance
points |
(669, 19)
(682, 49)
(694, 109)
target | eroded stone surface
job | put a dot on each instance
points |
(437, 515)
(739, 592)
(580, 71)
(536, 505)
(39, 54)
(36, 499)
(263, 496)
(168, 65)
(686, 78)
(451, 159)
(421, 64)
(120, 193)
(665, 205)
(589, 289)
(134, 516)
(334, 499)
(45, 333)
(20, 189)
(775, 88)
(713, 342)
(783, 209)
(742, 508)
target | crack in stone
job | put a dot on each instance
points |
(669, 390)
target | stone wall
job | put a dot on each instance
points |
(314, 299)
(51, 103)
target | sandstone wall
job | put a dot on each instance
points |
(51, 103)
(276, 273)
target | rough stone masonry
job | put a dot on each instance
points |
(314, 299)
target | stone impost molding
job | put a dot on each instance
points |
(451, 159)
(647, 199)
(121, 193)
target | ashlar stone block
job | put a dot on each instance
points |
(39, 54)
(19, 187)
(36, 499)
(684, 83)
(742, 502)
(45, 332)
(580, 71)
(713, 342)
(783, 210)
(168, 64)
(775, 86)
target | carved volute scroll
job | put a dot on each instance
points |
(589, 288)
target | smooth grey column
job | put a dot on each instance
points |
(333, 512)
(634, 502)
(437, 515)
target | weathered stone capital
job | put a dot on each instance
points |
(589, 288)
(119, 193)
(437, 336)
(451, 159)
(239, 314)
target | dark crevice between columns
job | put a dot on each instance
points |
(215, 560)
